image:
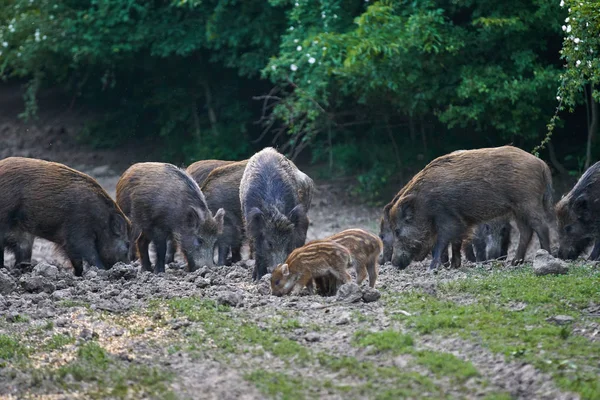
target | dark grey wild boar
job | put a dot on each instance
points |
(222, 190)
(20, 244)
(490, 241)
(201, 169)
(454, 192)
(62, 205)
(164, 202)
(578, 215)
(274, 196)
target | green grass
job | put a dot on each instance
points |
(525, 334)
(58, 341)
(395, 342)
(279, 385)
(11, 348)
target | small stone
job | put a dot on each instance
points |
(204, 271)
(61, 294)
(36, 284)
(7, 284)
(121, 270)
(178, 324)
(202, 282)
(87, 334)
(349, 293)
(46, 270)
(62, 322)
(561, 319)
(312, 337)
(344, 319)
(370, 295)
(545, 264)
(230, 299)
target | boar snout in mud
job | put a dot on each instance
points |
(165, 203)
(578, 215)
(21, 245)
(443, 202)
(57, 203)
(274, 197)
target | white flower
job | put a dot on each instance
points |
(51, 17)
(44, 37)
(591, 50)
(307, 55)
(299, 48)
(19, 54)
(562, 3)
(324, 48)
(323, 14)
(578, 63)
(296, 4)
(334, 16)
(576, 40)
(5, 44)
(568, 28)
(308, 81)
(567, 19)
(589, 63)
(294, 67)
(311, 60)
(576, 48)
(569, 10)
(11, 28)
(558, 98)
(295, 40)
(564, 28)
(273, 67)
(291, 28)
(315, 42)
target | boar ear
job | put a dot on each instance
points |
(194, 219)
(255, 221)
(285, 269)
(581, 207)
(118, 225)
(407, 208)
(298, 215)
(220, 219)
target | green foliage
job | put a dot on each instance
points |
(11, 348)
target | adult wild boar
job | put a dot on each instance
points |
(64, 206)
(164, 202)
(222, 190)
(490, 241)
(578, 215)
(274, 196)
(201, 169)
(454, 192)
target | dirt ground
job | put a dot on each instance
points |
(164, 326)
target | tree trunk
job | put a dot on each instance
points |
(212, 116)
(559, 167)
(411, 126)
(424, 137)
(592, 127)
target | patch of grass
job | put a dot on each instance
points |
(48, 326)
(58, 341)
(278, 385)
(11, 348)
(524, 334)
(20, 319)
(446, 365)
(289, 324)
(389, 340)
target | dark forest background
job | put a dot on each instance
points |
(371, 89)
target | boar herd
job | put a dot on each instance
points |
(464, 200)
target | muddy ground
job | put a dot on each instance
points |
(215, 334)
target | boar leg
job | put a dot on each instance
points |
(24, 251)
(77, 252)
(469, 253)
(372, 271)
(143, 244)
(444, 236)
(543, 233)
(444, 257)
(131, 253)
(260, 268)
(236, 253)
(222, 250)
(161, 251)
(525, 233)
(170, 251)
(456, 261)
(594, 255)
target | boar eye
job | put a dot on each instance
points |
(277, 282)
(398, 232)
(197, 242)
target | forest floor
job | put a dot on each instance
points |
(487, 331)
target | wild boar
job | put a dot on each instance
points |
(490, 241)
(201, 169)
(222, 190)
(364, 247)
(457, 191)
(314, 260)
(62, 205)
(19, 243)
(164, 202)
(275, 217)
(578, 215)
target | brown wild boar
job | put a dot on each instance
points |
(164, 202)
(490, 241)
(311, 261)
(222, 190)
(459, 190)
(364, 247)
(64, 206)
(201, 169)
(578, 215)
(274, 196)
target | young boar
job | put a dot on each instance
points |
(164, 202)
(274, 196)
(364, 247)
(490, 241)
(64, 206)
(222, 190)
(201, 169)
(312, 261)
(459, 190)
(578, 215)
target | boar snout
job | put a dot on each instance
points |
(400, 260)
